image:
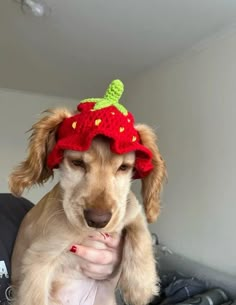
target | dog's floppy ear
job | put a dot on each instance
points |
(34, 169)
(152, 183)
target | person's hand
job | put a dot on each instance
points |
(99, 255)
(99, 258)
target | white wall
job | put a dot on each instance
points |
(18, 112)
(191, 102)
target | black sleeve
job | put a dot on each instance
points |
(12, 211)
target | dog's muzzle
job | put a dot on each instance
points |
(97, 218)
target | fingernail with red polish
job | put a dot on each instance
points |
(107, 235)
(73, 249)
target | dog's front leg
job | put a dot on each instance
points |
(139, 280)
(33, 285)
(34, 288)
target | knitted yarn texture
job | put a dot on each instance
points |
(102, 116)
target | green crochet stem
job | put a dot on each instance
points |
(111, 97)
(114, 91)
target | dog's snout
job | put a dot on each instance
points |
(97, 218)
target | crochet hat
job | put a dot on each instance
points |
(107, 117)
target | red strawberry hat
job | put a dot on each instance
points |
(107, 117)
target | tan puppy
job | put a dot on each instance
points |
(93, 194)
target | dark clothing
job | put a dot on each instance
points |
(12, 211)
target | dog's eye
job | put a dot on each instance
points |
(79, 163)
(124, 167)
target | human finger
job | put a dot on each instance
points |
(97, 272)
(110, 240)
(93, 255)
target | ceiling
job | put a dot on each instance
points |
(86, 43)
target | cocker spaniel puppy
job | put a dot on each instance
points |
(98, 151)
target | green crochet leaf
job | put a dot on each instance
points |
(111, 97)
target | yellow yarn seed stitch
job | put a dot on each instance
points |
(98, 122)
(74, 124)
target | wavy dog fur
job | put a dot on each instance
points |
(41, 252)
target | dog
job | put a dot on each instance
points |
(93, 194)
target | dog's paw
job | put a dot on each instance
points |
(141, 295)
(141, 289)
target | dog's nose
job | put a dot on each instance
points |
(97, 218)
